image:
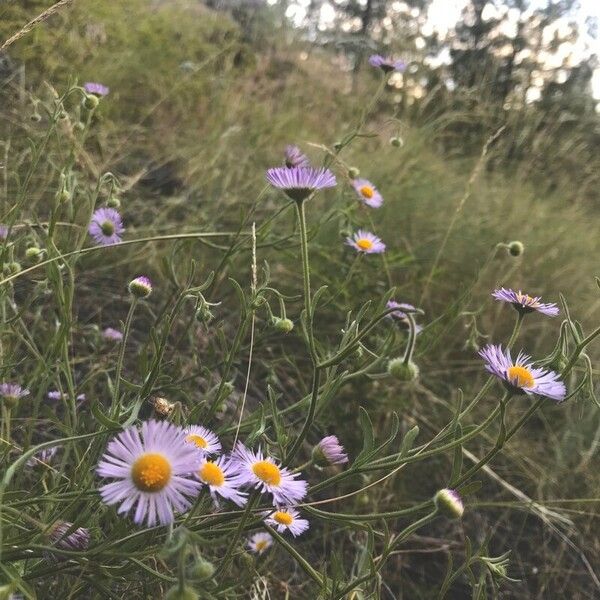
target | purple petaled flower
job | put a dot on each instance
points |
(400, 316)
(11, 393)
(387, 64)
(287, 519)
(140, 287)
(3, 232)
(204, 439)
(367, 192)
(56, 395)
(294, 157)
(106, 226)
(223, 478)
(44, 457)
(263, 473)
(520, 376)
(260, 542)
(329, 451)
(525, 303)
(364, 241)
(96, 88)
(62, 535)
(153, 470)
(300, 182)
(114, 335)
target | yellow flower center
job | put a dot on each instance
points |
(268, 472)
(197, 439)
(367, 191)
(520, 376)
(364, 244)
(212, 474)
(151, 472)
(283, 518)
(262, 545)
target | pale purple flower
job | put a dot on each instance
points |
(97, 89)
(329, 451)
(153, 469)
(3, 232)
(106, 226)
(203, 439)
(113, 335)
(387, 64)
(11, 393)
(260, 542)
(367, 193)
(223, 478)
(44, 456)
(287, 519)
(525, 303)
(294, 157)
(364, 241)
(400, 316)
(263, 473)
(520, 376)
(63, 536)
(300, 182)
(56, 395)
(140, 287)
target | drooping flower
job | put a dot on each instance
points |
(154, 470)
(520, 376)
(223, 478)
(263, 473)
(114, 335)
(287, 519)
(400, 316)
(449, 503)
(11, 393)
(97, 89)
(260, 542)
(140, 287)
(58, 535)
(44, 457)
(300, 182)
(387, 64)
(294, 157)
(364, 241)
(367, 193)
(329, 451)
(203, 439)
(106, 226)
(525, 303)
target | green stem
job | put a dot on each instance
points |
(116, 402)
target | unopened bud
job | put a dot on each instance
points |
(63, 196)
(396, 142)
(140, 287)
(403, 371)
(353, 172)
(449, 503)
(91, 102)
(202, 569)
(113, 202)
(516, 248)
(181, 593)
(283, 325)
(11, 268)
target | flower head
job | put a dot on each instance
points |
(45, 456)
(520, 376)
(202, 439)
(260, 542)
(11, 393)
(449, 503)
(364, 241)
(525, 303)
(400, 316)
(263, 473)
(329, 451)
(386, 64)
(113, 335)
(300, 182)
(56, 395)
(287, 519)
(62, 535)
(97, 89)
(3, 232)
(106, 226)
(140, 287)
(153, 470)
(223, 478)
(294, 157)
(367, 192)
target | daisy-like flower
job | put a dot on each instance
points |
(140, 287)
(400, 316)
(56, 395)
(386, 64)
(263, 473)
(367, 192)
(287, 519)
(329, 451)
(11, 393)
(223, 478)
(364, 241)
(525, 303)
(520, 376)
(294, 157)
(153, 468)
(106, 226)
(113, 335)
(203, 439)
(300, 182)
(260, 542)
(97, 89)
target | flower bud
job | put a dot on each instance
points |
(449, 503)
(516, 248)
(181, 593)
(11, 268)
(338, 146)
(283, 325)
(113, 202)
(353, 172)
(140, 287)
(202, 569)
(329, 451)
(91, 102)
(36, 117)
(403, 371)
(79, 127)
(63, 196)
(34, 254)
(396, 142)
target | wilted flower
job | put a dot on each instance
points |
(106, 226)
(97, 89)
(223, 478)
(263, 473)
(386, 64)
(114, 335)
(260, 542)
(153, 472)
(162, 407)
(300, 182)
(367, 192)
(449, 503)
(287, 519)
(400, 316)
(78, 539)
(11, 393)
(44, 456)
(364, 241)
(140, 287)
(203, 439)
(294, 157)
(520, 376)
(329, 451)
(525, 303)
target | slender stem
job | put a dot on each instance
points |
(116, 403)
